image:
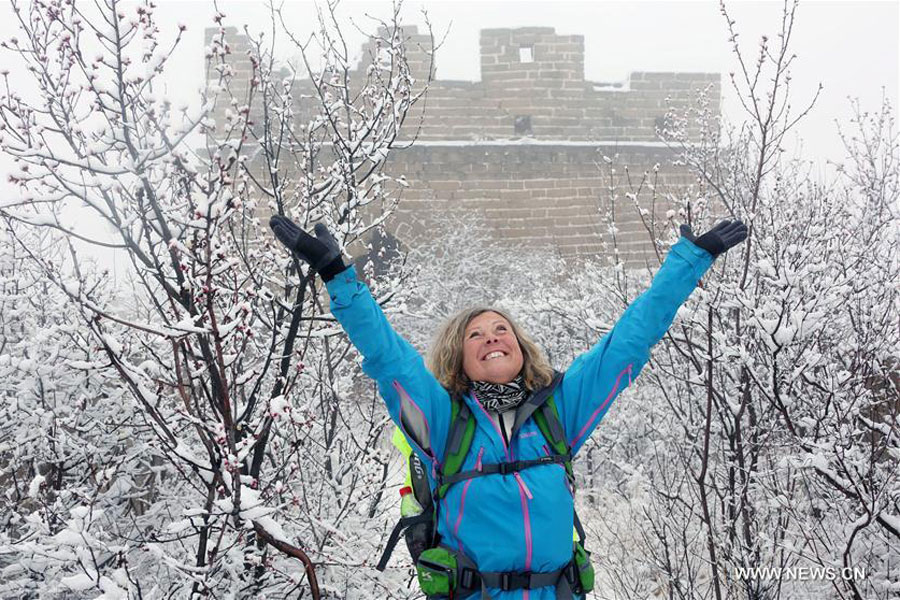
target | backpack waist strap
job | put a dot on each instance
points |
(471, 579)
(512, 580)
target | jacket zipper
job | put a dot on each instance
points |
(524, 493)
(462, 498)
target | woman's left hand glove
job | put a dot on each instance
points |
(720, 238)
(321, 252)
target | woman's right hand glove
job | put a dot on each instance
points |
(321, 252)
(720, 238)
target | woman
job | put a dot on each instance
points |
(513, 529)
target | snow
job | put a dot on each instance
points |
(326, 332)
(764, 267)
(278, 406)
(187, 325)
(111, 591)
(185, 453)
(68, 537)
(80, 512)
(35, 485)
(819, 462)
(36, 220)
(255, 512)
(225, 329)
(225, 506)
(81, 365)
(244, 377)
(150, 367)
(225, 265)
(14, 200)
(784, 335)
(892, 520)
(136, 71)
(114, 345)
(177, 245)
(272, 528)
(78, 583)
(884, 428)
(178, 526)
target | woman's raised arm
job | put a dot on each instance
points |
(596, 377)
(414, 398)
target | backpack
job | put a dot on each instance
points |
(420, 530)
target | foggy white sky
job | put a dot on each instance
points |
(851, 47)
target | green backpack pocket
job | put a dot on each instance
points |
(585, 568)
(436, 571)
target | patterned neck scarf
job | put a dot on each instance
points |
(500, 397)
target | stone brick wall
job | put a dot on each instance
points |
(552, 93)
(547, 195)
(521, 146)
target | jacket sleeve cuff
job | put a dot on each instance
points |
(699, 259)
(343, 287)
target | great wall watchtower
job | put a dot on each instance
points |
(521, 145)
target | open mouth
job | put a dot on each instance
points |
(494, 354)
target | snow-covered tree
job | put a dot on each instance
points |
(257, 442)
(766, 432)
(72, 463)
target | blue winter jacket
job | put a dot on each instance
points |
(521, 521)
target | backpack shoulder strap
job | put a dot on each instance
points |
(547, 419)
(418, 480)
(459, 440)
(534, 402)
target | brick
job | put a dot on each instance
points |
(703, 77)
(440, 186)
(524, 31)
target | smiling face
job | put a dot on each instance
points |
(491, 351)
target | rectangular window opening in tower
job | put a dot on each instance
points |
(522, 126)
(526, 54)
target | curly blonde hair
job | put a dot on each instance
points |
(445, 357)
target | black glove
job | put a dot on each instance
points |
(725, 235)
(321, 252)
